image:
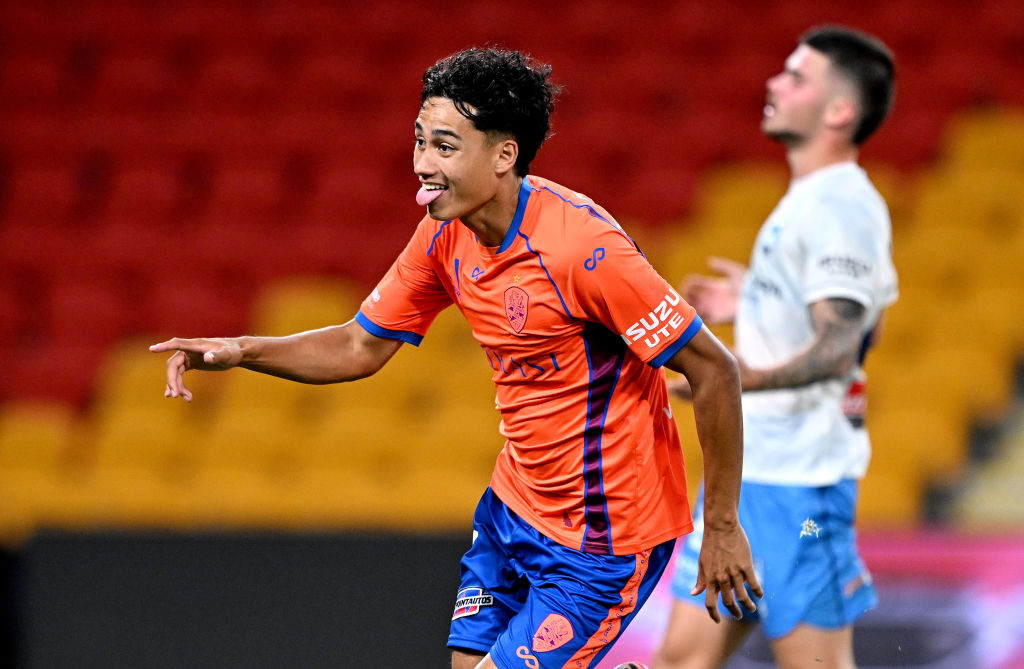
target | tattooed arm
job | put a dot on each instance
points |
(837, 322)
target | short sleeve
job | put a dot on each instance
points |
(841, 258)
(410, 295)
(614, 284)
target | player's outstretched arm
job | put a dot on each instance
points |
(715, 297)
(838, 326)
(725, 563)
(328, 355)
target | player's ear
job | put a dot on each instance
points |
(840, 113)
(505, 155)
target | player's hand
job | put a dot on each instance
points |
(726, 568)
(203, 354)
(715, 297)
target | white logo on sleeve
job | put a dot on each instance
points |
(659, 324)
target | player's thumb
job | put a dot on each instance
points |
(215, 357)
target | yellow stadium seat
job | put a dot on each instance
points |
(889, 499)
(986, 138)
(732, 202)
(42, 466)
(36, 436)
(263, 439)
(986, 202)
(297, 304)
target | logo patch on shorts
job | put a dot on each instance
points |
(554, 632)
(517, 301)
(469, 601)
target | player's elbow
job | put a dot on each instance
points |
(719, 373)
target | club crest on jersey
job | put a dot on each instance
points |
(469, 601)
(517, 302)
(554, 632)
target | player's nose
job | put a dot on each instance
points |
(421, 163)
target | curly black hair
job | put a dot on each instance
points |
(500, 91)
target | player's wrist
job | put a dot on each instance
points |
(249, 349)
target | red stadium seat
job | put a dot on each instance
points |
(237, 79)
(143, 81)
(93, 309)
(40, 194)
(32, 81)
(145, 195)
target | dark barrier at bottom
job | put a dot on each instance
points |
(158, 600)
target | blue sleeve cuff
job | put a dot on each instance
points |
(691, 330)
(384, 333)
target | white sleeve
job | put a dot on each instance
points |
(841, 257)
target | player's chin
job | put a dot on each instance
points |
(441, 212)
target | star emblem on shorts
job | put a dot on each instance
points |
(809, 528)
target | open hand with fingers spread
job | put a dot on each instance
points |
(203, 354)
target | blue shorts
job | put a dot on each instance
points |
(531, 602)
(805, 557)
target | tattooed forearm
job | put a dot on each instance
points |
(837, 322)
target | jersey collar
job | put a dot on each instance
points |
(524, 195)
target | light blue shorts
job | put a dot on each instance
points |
(534, 604)
(805, 556)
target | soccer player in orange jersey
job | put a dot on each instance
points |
(588, 494)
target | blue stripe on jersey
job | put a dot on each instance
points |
(517, 220)
(689, 333)
(436, 235)
(596, 214)
(593, 212)
(605, 356)
(384, 333)
(554, 285)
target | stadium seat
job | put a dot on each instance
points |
(40, 194)
(986, 139)
(303, 303)
(160, 163)
(889, 499)
(37, 436)
(41, 464)
(247, 194)
(198, 301)
(145, 196)
(140, 81)
(239, 78)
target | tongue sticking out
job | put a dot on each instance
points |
(425, 197)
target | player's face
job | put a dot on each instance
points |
(797, 97)
(454, 161)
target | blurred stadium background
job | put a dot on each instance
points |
(190, 168)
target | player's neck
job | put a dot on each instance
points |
(492, 220)
(813, 156)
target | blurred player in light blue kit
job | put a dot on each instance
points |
(805, 314)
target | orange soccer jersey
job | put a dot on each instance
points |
(575, 324)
